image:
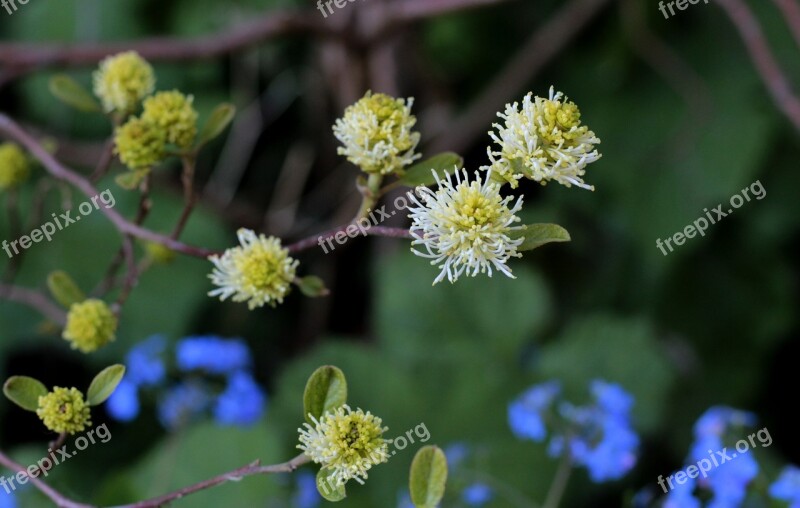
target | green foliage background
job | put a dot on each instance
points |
(713, 323)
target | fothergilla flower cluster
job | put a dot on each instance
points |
(211, 375)
(167, 124)
(466, 227)
(598, 436)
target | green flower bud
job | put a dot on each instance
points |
(14, 166)
(140, 144)
(122, 81)
(173, 112)
(64, 411)
(90, 325)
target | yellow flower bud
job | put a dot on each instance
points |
(122, 81)
(140, 144)
(64, 410)
(173, 112)
(14, 166)
(90, 325)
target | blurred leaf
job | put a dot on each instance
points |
(331, 490)
(64, 289)
(312, 286)
(130, 180)
(220, 118)
(325, 391)
(24, 392)
(422, 172)
(615, 350)
(537, 235)
(428, 477)
(70, 92)
(104, 384)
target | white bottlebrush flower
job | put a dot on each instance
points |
(466, 227)
(376, 134)
(346, 443)
(543, 141)
(259, 271)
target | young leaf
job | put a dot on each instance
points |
(537, 235)
(428, 477)
(104, 384)
(329, 488)
(312, 286)
(24, 392)
(217, 122)
(325, 391)
(64, 289)
(130, 180)
(422, 174)
(71, 93)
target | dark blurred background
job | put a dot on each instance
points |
(685, 123)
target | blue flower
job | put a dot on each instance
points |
(213, 355)
(682, 496)
(307, 495)
(729, 481)
(611, 398)
(7, 499)
(477, 494)
(181, 404)
(716, 420)
(242, 403)
(144, 362)
(602, 439)
(123, 405)
(787, 487)
(525, 412)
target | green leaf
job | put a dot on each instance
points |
(422, 172)
(217, 122)
(326, 390)
(71, 93)
(130, 180)
(312, 286)
(64, 289)
(428, 477)
(104, 384)
(331, 490)
(24, 392)
(537, 235)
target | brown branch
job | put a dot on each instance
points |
(10, 129)
(540, 49)
(250, 470)
(34, 299)
(313, 241)
(764, 61)
(54, 495)
(412, 10)
(24, 57)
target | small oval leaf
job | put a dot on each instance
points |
(422, 174)
(325, 391)
(130, 180)
(537, 235)
(312, 286)
(330, 489)
(64, 289)
(24, 391)
(71, 93)
(217, 122)
(104, 384)
(428, 477)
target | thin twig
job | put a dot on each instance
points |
(34, 299)
(250, 470)
(312, 241)
(764, 61)
(105, 161)
(60, 500)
